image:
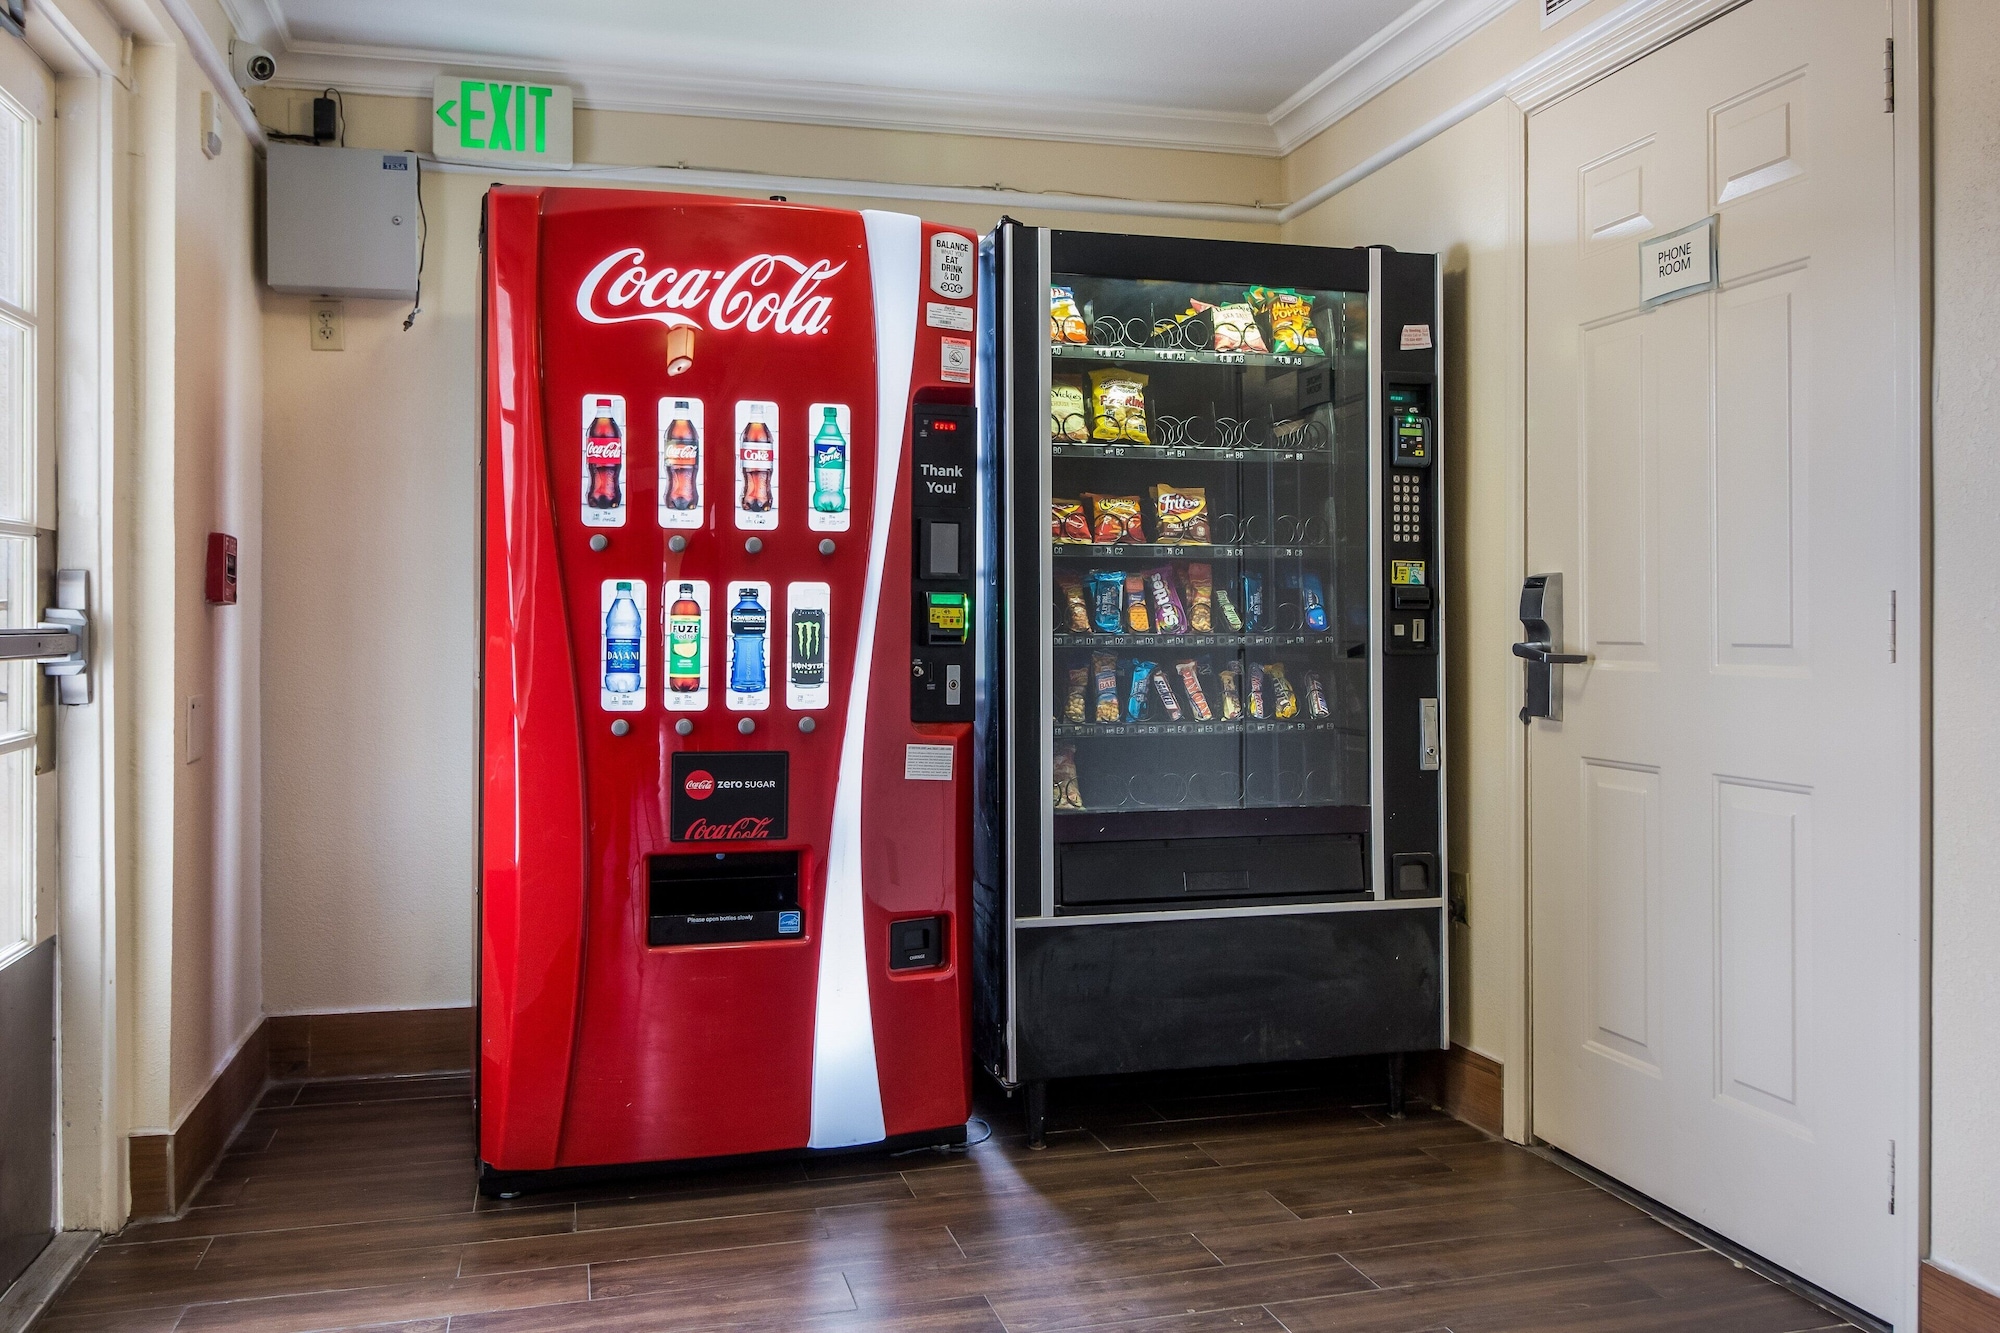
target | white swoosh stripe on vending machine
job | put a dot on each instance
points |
(846, 1090)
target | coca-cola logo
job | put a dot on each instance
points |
(700, 785)
(750, 828)
(764, 291)
(611, 449)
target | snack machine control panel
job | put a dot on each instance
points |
(1410, 546)
(942, 501)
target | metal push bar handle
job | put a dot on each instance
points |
(42, 643)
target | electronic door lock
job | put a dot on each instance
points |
(1542, 628)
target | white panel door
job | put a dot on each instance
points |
(1723, 844)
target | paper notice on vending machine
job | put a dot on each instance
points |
(690, 645)
(808, 630)
(747, 688)
(603, 460)
(682, 433)
(621, 616)
(831, 428)
(756, 466)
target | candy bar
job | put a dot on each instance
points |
(1104, 675)
(1196, 696)
(1168, 613)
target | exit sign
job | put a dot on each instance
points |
(500, 121)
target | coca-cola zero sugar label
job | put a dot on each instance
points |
(756, 466)
(683, 435)
(603, 460)
(728, 796)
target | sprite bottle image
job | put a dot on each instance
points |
(684, 643)
(829, 462)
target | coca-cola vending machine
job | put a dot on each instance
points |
(725, 822)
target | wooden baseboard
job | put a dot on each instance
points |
(1461, 1083)
(383, 1042)
(165, 1169)
(1950, 1304)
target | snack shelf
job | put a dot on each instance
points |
(1240, 727)
(1297, 640)
(1099, 353)
(1197, 453)
(1092, 551)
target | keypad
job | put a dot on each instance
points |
(1406, 508)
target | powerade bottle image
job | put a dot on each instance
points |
(684, 643)
(749, 630)
(829, 454)
(622, 628)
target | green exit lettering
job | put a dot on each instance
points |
(501, 117)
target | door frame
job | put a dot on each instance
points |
(1637, 30)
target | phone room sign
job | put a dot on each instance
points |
(502, 121)
(1678, 264)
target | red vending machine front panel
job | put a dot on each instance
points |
(726, 820)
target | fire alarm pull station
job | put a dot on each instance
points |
(220, 578)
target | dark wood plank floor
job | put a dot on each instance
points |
(1265, 1200)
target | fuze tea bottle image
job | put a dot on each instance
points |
(624, 649)
(684, 643)
(749, 648)
(830, 471)
(603, 461)
(680, 463)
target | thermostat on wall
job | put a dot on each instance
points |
(341, 221)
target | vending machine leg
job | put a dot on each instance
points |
(1037, 1110)
(1396, 1086)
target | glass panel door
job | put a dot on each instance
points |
(1210, 546)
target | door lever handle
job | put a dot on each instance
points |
(1536, 652)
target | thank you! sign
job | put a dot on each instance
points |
(1678, 264)
(502, 121)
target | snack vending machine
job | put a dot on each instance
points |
(1212, 749)
(727, 692)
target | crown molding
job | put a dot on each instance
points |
(1622, 36)
(1408, 43)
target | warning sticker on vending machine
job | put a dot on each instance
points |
(955, 361)
(681, 432)
(690, 645)
(807, 632)
(756, 466)
(747, 688)
(622, 646)
(827, 506)
(603, 460)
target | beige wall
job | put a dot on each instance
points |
(369, 496)
(1460, 197)
(1965, 641)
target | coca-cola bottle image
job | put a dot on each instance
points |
(683, 458)
(757, 455)
(604, 453)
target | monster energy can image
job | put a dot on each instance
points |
(808, 647)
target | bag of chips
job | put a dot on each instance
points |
(1198, 587)
(1290, 314)
(1076, 611)
(1174, 331)
(1105, 593)
(1104, 679)
(1168, 613)
(1065, 320)
(1165, 689)
(1236, 328)
(1069, 795)
(1138, 619)
(1191, 686)
(1067, 524)
(1069, 413)
(1115, 519)
(1118, 406)
(1079, 682)
(1180, 514)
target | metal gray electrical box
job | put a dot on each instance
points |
(340, 221)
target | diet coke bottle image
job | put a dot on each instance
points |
(757, 465)
(604, 461)
(680, 463)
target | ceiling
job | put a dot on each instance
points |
(1256, 78)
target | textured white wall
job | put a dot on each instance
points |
(1965, 639)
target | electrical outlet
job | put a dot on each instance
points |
(329, 326)
(195, 733)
